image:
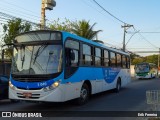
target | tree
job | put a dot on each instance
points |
(149, 59)
(62, 26)
(152, 59)
(84, 29)
(11, 29)
(137, 60)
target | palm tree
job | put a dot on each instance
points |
(84, 29)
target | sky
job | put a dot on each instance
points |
(143, 14)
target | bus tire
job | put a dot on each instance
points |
(118, 85)
(84, 95)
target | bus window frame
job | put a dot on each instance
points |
(74, 68)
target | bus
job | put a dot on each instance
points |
(57, 66)
(146, 70)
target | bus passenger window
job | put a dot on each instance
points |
(113, 59)
(119, 61)
(124, 61)
(98, 56)
(87, 56)
(128, 62)
(106, 58)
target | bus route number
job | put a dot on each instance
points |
(42, 84)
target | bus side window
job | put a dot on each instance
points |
(128, 62)
(87, 59)
(113, 59)
(119, 61)
(124, 61)
(98, 56)
(106, 58)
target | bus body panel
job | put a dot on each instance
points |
(70, 90)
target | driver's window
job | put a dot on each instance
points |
(71, 57)
(72, 53)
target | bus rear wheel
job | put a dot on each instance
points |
(118, 85)
(84, 95)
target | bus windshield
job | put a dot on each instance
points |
(140, 68)
(37, 59)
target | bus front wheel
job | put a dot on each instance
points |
(84, 95)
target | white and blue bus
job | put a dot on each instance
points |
(56, 66)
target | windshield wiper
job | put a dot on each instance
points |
(22, 53)
(39, 51)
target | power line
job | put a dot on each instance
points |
(20, 14)
(144, 32)
(144, 38)
(20, 8)
(142, 48)
(4, 18)
(146, 51)
(109, 12)
(13, 17)
(131, 37)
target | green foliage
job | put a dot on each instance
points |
(62, 26)
(84, 29)
(11, 29)
(137, 60)
(149, 59)
(81, 28)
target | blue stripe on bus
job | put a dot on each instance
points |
(110, 74)
(85, 73)
(28, 85)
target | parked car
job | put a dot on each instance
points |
(4, 87)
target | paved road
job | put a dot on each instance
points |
(130, 98)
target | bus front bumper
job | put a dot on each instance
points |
(55, 95)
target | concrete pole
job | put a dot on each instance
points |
(126, 26)
(158, 57)
(43, 23)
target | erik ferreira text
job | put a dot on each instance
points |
(147, 114)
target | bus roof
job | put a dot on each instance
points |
(67, 34)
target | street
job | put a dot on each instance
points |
(130, 98)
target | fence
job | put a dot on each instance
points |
(153, 98)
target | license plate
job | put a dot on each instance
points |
(27, 95)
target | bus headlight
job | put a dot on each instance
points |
(11, 85)
(52, 87)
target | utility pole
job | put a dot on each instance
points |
(46, 5)
(3, 67)
(43, 15)
(158, 57)
(126, 26)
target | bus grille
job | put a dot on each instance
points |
(30, 78)
(29, 88)
(34, 96)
